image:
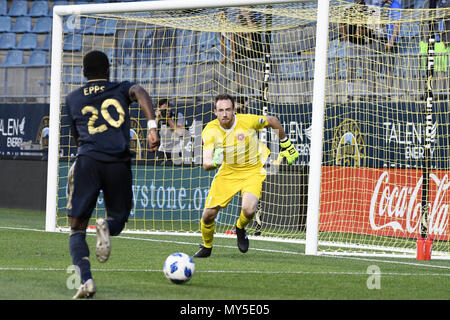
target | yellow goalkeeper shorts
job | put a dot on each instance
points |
(228, 182)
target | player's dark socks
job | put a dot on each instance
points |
(242, 240)
(79, 251)
(203, 252)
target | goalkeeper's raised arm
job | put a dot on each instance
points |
(288, 150)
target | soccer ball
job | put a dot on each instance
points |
(179, 267)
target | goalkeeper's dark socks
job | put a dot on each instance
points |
(79, 251)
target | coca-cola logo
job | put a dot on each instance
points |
(399, 207)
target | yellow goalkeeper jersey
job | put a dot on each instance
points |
(242, 149)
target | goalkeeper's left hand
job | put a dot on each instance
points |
(288, 151)
(218, 157)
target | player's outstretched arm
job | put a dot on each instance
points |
(212, 159)
(139, 94)
(288, 150)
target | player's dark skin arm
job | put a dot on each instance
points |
(139, 94)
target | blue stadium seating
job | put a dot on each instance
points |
(124, 73)
(99, 27)
(7, 40)
(18, 8)
(39, 9)
(42, 25)
(292, 70)
(3, 8)
(163, 73)
(72, 75)
(5, 24)
(37, 58)
(29, 41)
(13, 58)
(103, 27)
(58, 3)
(144, 75)
(46, 44)
(88, 25)
(72, 42)
(22, 25)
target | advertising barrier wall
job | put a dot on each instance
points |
(23, 131)
(378, 147)
(384, 202)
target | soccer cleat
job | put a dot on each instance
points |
(103, 248)
(242, 240)
(86, 290)
(203, 252)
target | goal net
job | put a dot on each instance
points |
(384, 153)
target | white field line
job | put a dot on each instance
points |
(417, 264)
(393, 274)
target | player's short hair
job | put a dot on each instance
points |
(163, 101)
(95, 64)
(224, 96)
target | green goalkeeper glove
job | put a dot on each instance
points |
(218, 157)
(288, 151)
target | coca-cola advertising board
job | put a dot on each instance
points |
(383, 202)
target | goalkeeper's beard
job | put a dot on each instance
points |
(226, 122)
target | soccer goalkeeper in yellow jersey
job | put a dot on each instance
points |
(230, 144)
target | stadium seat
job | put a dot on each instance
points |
(18, 8)
(185, 54)
(5, 24)
(99, 27)
(7, 41)
(3, 8)
(46, 44)
(125, 51)
(163, 73)
(72, 42)
(29, 41)
(13, 58)
(124, 73)
(39, 9)
(144, 75)
(292, 70)
(22, 25)
(73, 75)
(43, 25)
(37, 58)
(57, 3)
(105, 27)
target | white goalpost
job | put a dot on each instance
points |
(369, 121)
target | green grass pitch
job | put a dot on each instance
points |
(34, 265)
